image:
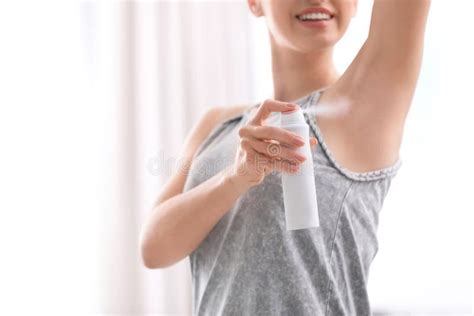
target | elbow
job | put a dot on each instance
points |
(147, 260)
(150, 256)
(148, 248)
(154, 257)
(148, 253)
(153, 250)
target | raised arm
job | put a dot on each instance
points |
(395, 40)
(381, 82)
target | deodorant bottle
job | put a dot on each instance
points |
(299, 189)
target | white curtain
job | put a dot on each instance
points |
(94, 96)
(175, 60)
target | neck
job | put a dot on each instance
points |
(296, 74)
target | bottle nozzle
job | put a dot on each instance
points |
(293, 117)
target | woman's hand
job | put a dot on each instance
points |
(264, 149)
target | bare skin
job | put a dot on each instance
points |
(377, 88)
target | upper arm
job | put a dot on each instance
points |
(385, 72)
(396, 37)
(381, 81)
(398, 25)
(198, 133)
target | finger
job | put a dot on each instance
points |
(251, 154)
(283, 166)
(313, 141)
(267, 107)
(275, 150)
(272, 133)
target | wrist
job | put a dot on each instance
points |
(234, 182)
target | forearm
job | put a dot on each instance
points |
(179, 224)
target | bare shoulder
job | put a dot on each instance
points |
(198, 133)
(219, 114)
(207, 122)
(226, 112)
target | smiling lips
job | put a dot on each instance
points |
(315, 10)
(315, 17)
(315, 13)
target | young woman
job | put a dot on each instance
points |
(224, 207)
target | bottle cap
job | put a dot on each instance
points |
(292, 117)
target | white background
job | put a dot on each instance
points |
(59, 139)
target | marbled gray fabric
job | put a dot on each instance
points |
(249, 264)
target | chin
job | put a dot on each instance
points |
(314, 46)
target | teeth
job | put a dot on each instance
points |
(315, 16)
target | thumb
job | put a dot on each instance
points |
(313, 141)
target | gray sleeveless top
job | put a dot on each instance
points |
(249, 264)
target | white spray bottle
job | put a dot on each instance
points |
(299, 189)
